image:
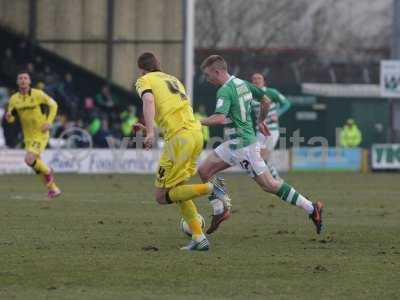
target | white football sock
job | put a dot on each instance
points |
(305, 204)
(218, 206)
(198, 238)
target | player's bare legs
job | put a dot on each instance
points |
(182, 194)
(266, 155)
(185, 192)
(211, 166)
(268, 183)
(189, 213)
(34, 161)
(208, 168)
(30, 158)
(288, 194)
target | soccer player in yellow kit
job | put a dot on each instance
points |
(28, 103)
(165, 102)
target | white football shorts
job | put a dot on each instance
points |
(268, 142)
(248, 158)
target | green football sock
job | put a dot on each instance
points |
(288, 194)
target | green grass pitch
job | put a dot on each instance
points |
(106, 238)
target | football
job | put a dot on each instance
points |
(184, 227)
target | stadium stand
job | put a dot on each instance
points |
(85, 100)
(106, 110)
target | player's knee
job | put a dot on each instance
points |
(161, 200)
(267, 188)
(161, 197)
(271, 185)
(275, 185)
(201, 173)
(29, 160)
(204, 174)
(265, 154)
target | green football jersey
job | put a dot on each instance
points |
(234, 101)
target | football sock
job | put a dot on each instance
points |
(188, 210)
(217, 205)
(272, 169)
(40, 167)
(189, 213)
(290, 195)
(189, 191)
(195, 227)
(52, 186)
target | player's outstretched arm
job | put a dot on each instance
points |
(282, 102)
(222, 109)
(215, 119)
(284, 106)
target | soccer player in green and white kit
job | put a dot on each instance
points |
(278, 107)
(233, 108)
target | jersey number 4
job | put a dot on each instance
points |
(174, 88)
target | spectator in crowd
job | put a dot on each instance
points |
(101, 133)
(40, 85)
(67, 93)
(199, 115)
(59, 125)
(9, 64)
(30, 67)
(4, 96)
(350, 136)
(105, 100)
(128, 119)
(12, 133)
(102, 115)
(39, 64)
(50, 78)
(23, 53)
(90, 112)
(94, 125)
(97, 125)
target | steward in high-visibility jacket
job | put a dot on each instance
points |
(350, 136)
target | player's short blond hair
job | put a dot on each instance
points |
(215, 61)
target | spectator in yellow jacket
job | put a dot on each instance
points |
(350, 136)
